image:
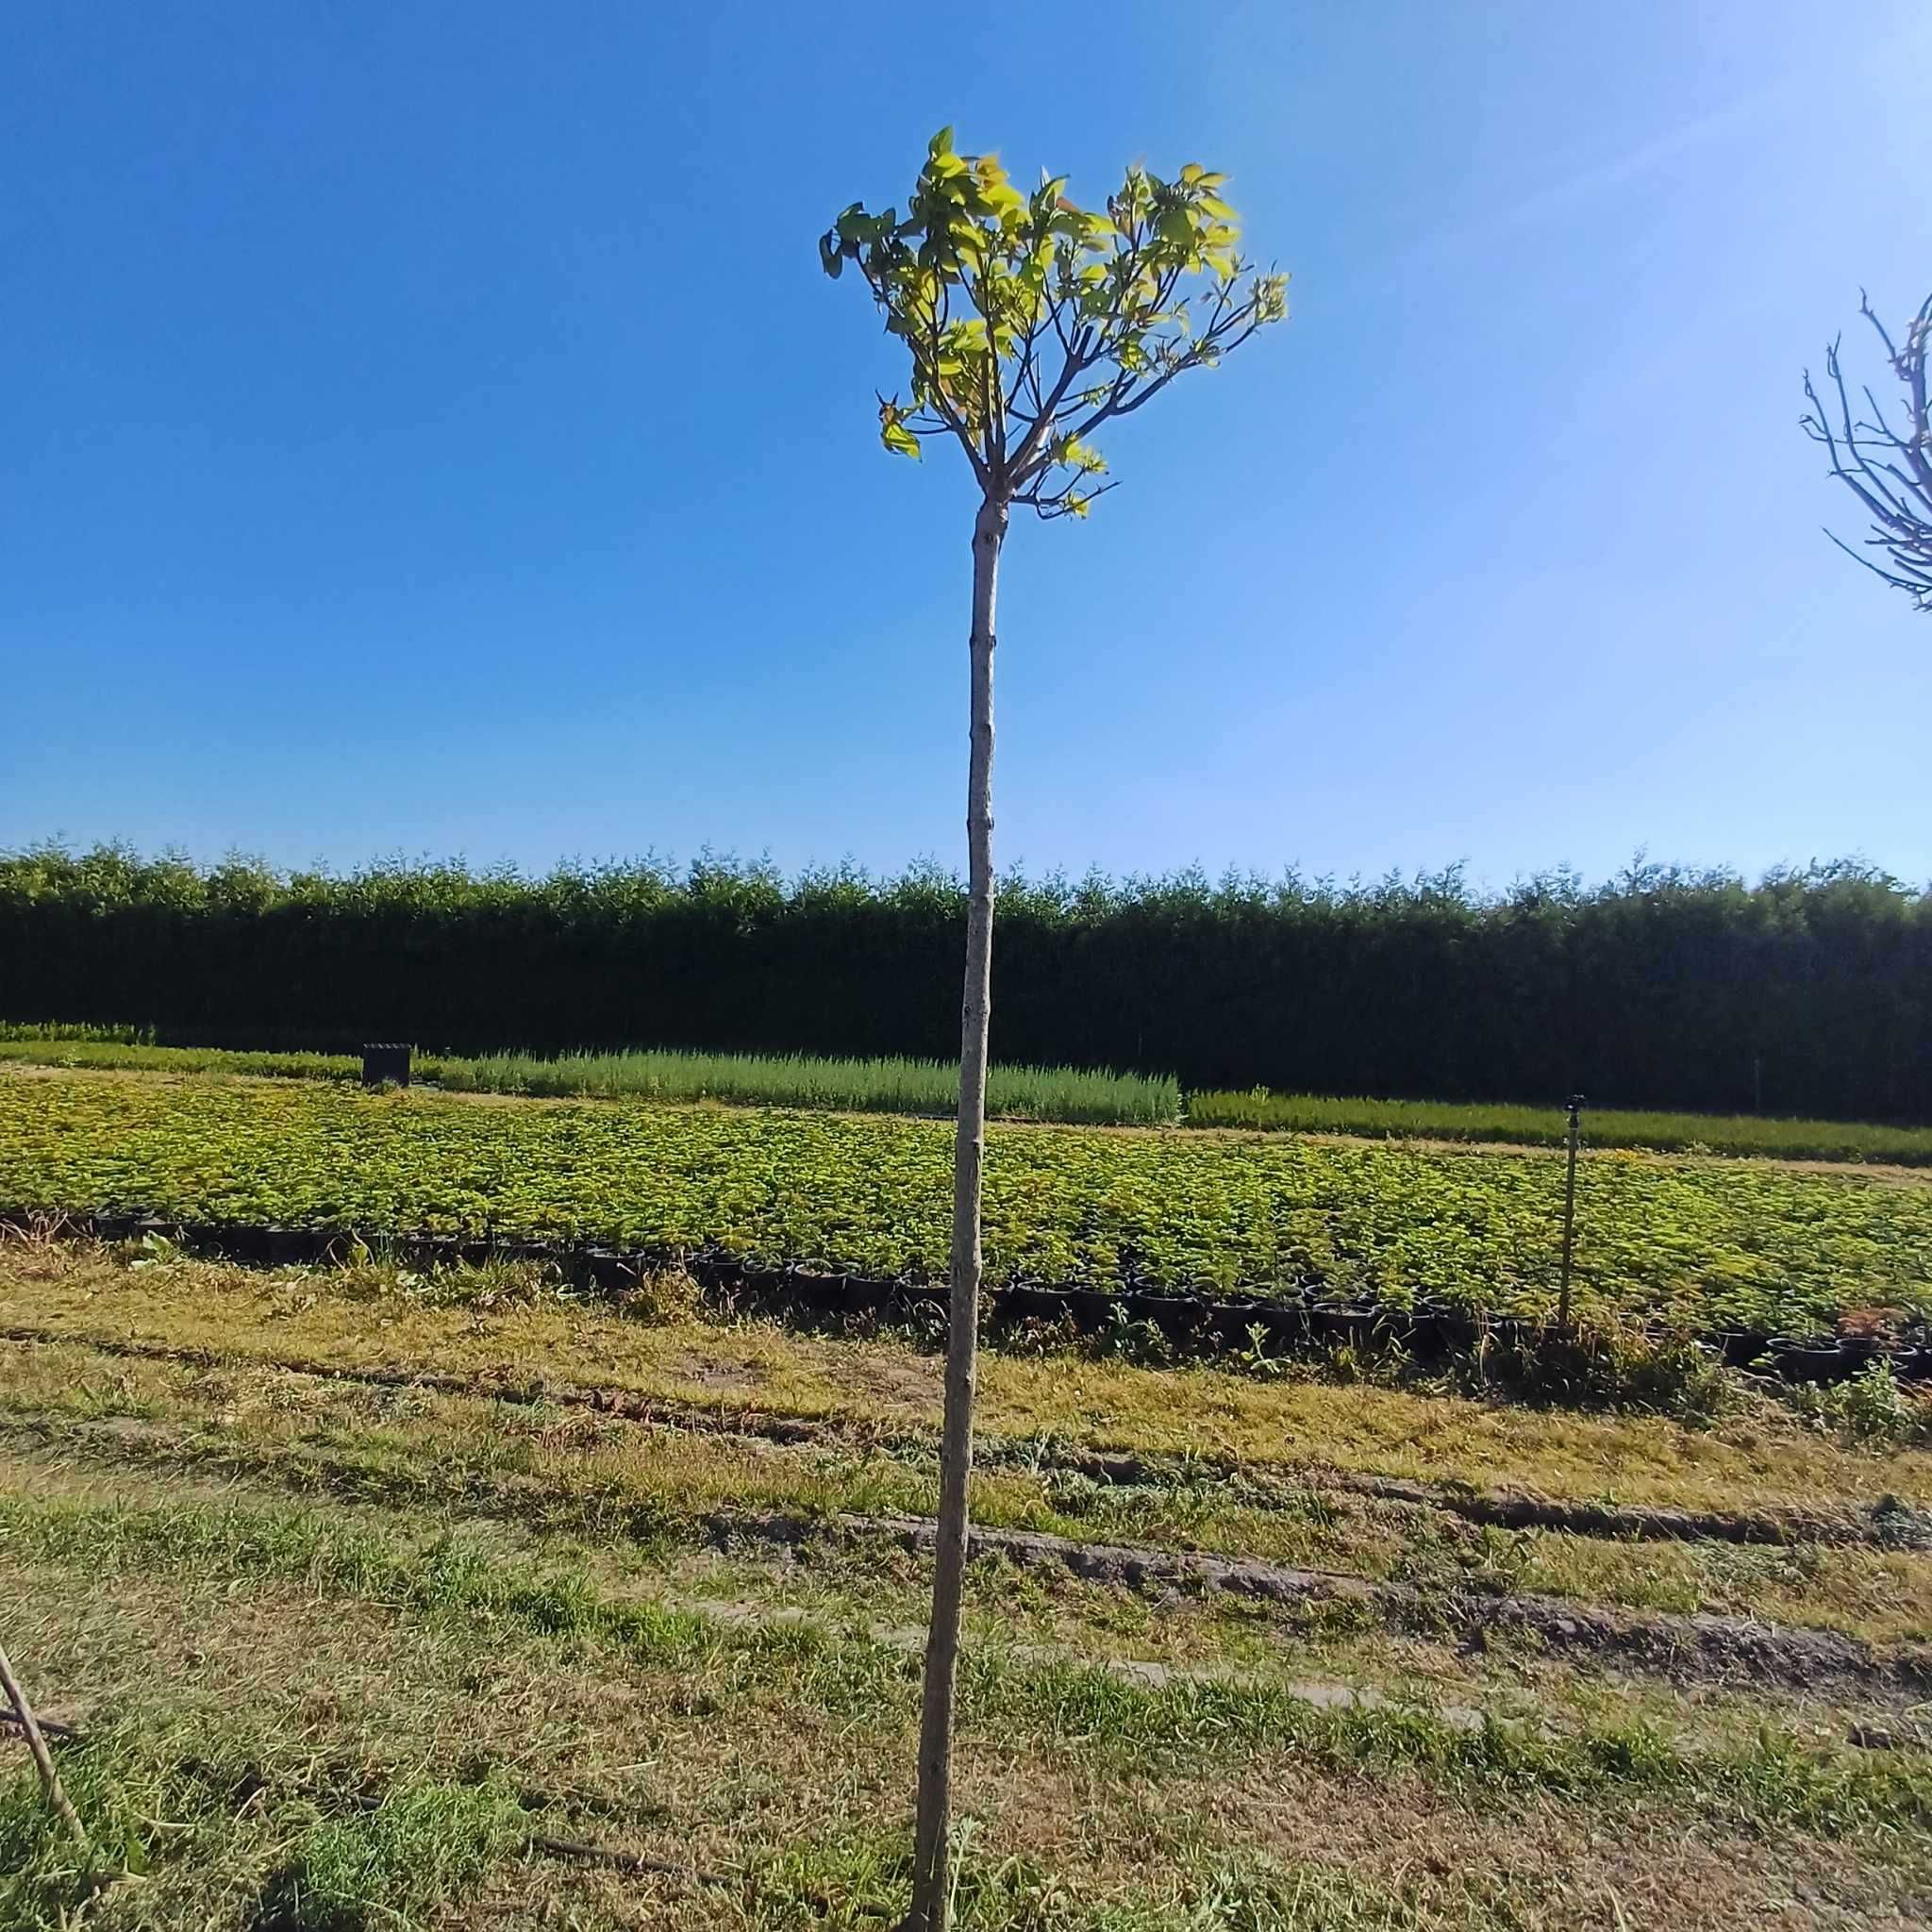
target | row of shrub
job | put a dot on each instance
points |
(1806, 992)
(1091, 1095)
(1779, 1138)
(1095, 1096)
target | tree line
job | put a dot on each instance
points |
(1805, 991)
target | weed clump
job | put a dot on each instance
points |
(1597, 1363)
(1872, 1407)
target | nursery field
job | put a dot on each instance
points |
(1696, 1245)
(1076, 1095)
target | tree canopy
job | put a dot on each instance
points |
(1031, 322)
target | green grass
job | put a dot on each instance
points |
(149, 1782)
(72, 1030)
(865, 1881)
(1698, 1245)
(413, 1858)
(327, 1759)
(665, 1491)
(1095, 1096)
(1544, 1126)
(1770, 1780)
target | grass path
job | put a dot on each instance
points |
(316, 1714)
(347, 1651)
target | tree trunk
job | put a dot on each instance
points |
(931, 1877)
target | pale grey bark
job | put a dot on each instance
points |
(931, 1874)
(37, 1745)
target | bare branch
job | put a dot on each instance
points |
(1890, 473)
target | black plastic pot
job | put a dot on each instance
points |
(1287, 1324)
(1343, 1326)
(243, 1243)
(859, 1294)
(284, 1246)
(1427, 1332)
(1022, 1302)
(1229, 1320)
(1177, 1316)
(1091, 1307)
(1737, 1348)
(1801, 1361)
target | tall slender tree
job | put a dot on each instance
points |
(1884, 457)
(1030, 323)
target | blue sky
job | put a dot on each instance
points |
(427, 429)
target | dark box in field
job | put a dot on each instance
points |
(386, 1064)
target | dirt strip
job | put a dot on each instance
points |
(1704, 1647)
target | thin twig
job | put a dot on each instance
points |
(625, 1861)
(50, 1727)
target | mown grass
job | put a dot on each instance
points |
(1169, 1727)
(304, 1722)
(150, 1782)
(1074, 1094)
(865, 1881)
(364, 1708)
(1750, 1134)
(336, 1715)
(665, 1489)
(410, 1858)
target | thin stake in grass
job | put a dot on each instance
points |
(58, 1799)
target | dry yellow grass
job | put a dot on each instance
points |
(1762, 1459)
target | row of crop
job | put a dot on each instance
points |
(1544, 1126)
(1249, 1328)
(1095, 1096)
(1699, 1247)
(1040, 1094)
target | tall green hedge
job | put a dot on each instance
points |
(1811, 992)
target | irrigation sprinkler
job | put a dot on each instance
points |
(1574, 1107)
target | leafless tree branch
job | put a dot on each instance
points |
(1889, 472)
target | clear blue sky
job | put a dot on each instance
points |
(426, 428)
